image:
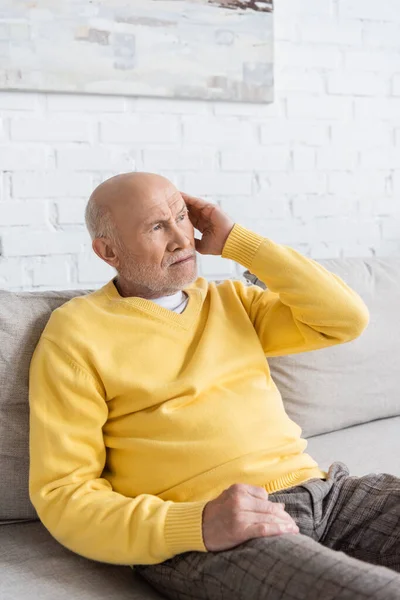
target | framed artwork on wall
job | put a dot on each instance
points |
(197, 49)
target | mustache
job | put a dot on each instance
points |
(177, 258)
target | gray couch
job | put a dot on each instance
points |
(346, 399)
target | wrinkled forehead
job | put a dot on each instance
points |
(146, 201)
(161, 198)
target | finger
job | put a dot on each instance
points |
(199, 245)
(194, 218)
(261, 505)
(284, 525)
(265, 507)
(274, 513)
(268, 529)
(256, 491)
(260, 492)
(194, 205)
(193, 200)
(200, 211)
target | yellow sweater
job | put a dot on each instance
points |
(140, 416)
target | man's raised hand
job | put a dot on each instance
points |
(214, 225)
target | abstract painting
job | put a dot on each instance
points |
(205, 49)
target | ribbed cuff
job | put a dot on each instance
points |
(183, 527)
(242, 245)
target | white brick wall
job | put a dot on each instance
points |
(319, 169)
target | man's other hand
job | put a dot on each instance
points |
(214, 225)
(243, 512)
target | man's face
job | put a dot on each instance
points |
(154, 235)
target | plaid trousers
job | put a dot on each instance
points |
(348, 548)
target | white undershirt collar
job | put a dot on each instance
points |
(177, 302)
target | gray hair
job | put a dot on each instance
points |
(99, 221)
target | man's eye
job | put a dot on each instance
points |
(181, 217)
(157, 227)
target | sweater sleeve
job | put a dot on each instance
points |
(306, 307)
(67, 457)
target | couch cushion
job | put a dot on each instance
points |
(34, 565)
(23, 316)
(370, 448)
(326, 390)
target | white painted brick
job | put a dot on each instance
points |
(23, 213)
(5, 186)
(3, 130)
(360, 250)
(222, 131)
(384, 10)
(141, 129)
(396, 85)
(310, 133)
(301, 55)
(181, 159)
(71, 211)
(291, 183)
(381, 158)
(272, 110)
(382, 35)
(396, 183)
(19, 31)
(11, 272)
(82, 103)
(213, 267)
(336, 158)
(23, 158)
(261, 205)
(51, 271)
(321, 250)
(42, 243)
(359, 183)
(377, 108)
(330, 31)
(391, 228)
(303, 158)
(283, 8)
(198, 184)
(299, 80)
(375, 206)
(368, 135)
(171, 105)
(18, 100)
(239, 270)
(51, 130)
(293, 232)
(387, 248)
(98, 158)
(91, 269)
(331, 229)
(310, 107)
(357, 84)
(312, 206)
(51, 184)
(4, 31)
(263, 159)
(372, 60)
(285, 29)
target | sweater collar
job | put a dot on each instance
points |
(194, 291)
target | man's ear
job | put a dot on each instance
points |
(105, 250)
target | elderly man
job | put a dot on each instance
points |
(160, 441)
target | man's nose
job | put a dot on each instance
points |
(178, 239)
